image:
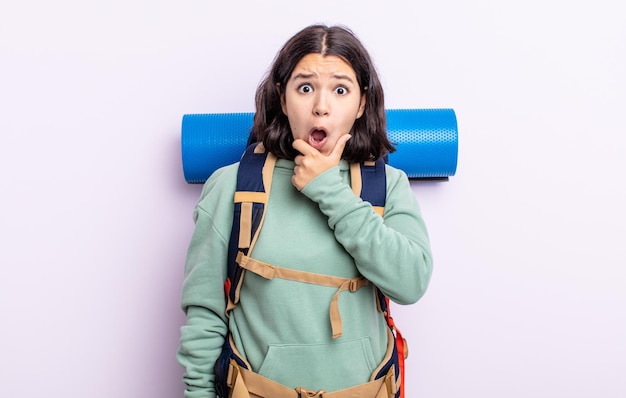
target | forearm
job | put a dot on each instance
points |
(200, 345)
(203, 301)
(394, 252)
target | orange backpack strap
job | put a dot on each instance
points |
(270, 272)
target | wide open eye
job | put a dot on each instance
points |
(341, 90)
(305, 88)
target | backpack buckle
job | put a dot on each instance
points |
(357, 283)
(304, 393)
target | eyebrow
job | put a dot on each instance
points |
(307, 76)
(343, 77)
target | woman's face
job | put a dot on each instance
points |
(322, 100)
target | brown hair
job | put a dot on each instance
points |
(369, 134)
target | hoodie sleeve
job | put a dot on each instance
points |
(203, 297)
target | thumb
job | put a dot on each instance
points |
(340, 145)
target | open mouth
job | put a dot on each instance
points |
(317, 138)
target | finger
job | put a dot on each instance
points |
(303, 147)
(340, 145)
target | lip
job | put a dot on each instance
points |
(316, 142)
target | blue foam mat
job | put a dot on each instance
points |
(426, 142)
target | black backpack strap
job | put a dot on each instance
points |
(372, 188)
(254, 180)
(369, 182)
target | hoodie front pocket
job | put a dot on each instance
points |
(320, 366)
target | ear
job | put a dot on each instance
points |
(361, 105)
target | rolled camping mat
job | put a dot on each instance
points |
(426, 142)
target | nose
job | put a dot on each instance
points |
(321, 106)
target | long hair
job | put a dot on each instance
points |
(271, 126)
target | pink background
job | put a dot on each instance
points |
(527, 298)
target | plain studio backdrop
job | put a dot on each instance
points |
(528, 294)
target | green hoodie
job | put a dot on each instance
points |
(282, 327)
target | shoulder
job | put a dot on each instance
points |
(219, 188)
(395, 176)
(399, 186)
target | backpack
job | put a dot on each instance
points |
(256, 166)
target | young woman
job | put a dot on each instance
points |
(319, 110)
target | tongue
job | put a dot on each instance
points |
(318, 135)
